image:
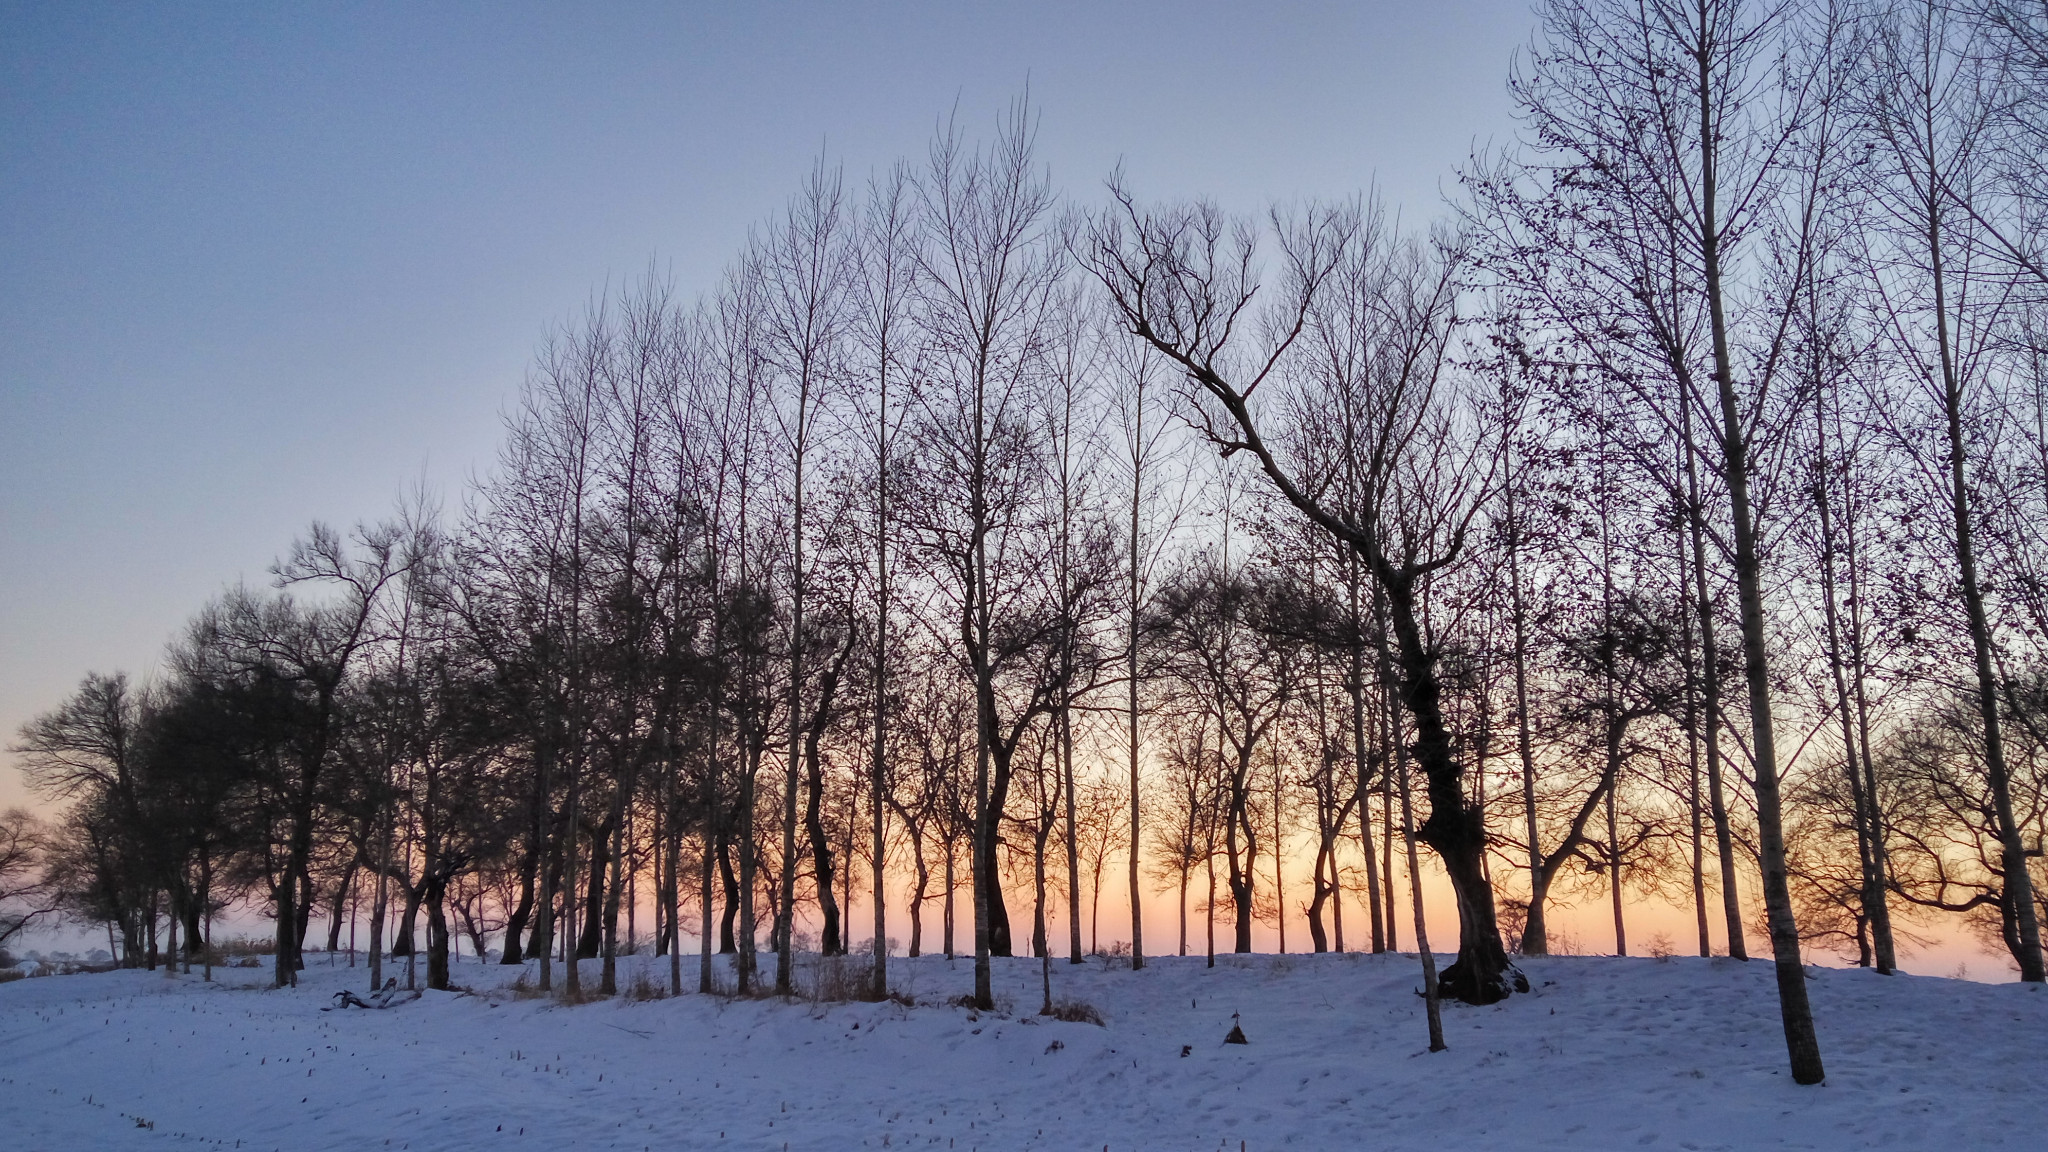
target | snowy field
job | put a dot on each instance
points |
(1604, 1054)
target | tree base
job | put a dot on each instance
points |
(1471, 984)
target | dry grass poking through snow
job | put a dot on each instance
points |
(1075, 1012)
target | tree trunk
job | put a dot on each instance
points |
(1238, 819)
(1387, 758)
(952, 886)
(590, 942)
(982, 877)
(1692, 750)
(515, 921)
(403, 943)
(1073, 845)
(923, 879)
(1535, 936)
(1040, 946)
(749, 865)
(1710, 685)
(1481, 974)
(878, 764)
(614, 888)
(1318, 939)
(437, 930)
(1279, 855)
(572, 975)
(672, 892)
(334, 917)
(1183, 911)
(541, 944)
(714, 852)
(728, 938)
(1431, 984)
(822, 869)
(206, 909)
(1209, 906)
(1875, 913)
(785, 922)
(2016, 881)
(1887, 954)
(172, 918)
(379, 907)
(1614, 730)
(1802, 1045)
(1131, 675)
(531, 859)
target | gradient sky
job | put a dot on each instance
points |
(263, 264)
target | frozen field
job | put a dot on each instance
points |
(1604, 1054)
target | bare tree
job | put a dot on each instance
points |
(1184, 279)
(1929, 120)
(808, 273)
(25, 895)
(1156, 492)
(1222, 636)
(1680, 145)
(987, 271)
(888, 261)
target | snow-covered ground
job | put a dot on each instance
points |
(1605, 1053)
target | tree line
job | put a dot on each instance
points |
(1663, 520)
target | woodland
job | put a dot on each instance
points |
(1668, 516)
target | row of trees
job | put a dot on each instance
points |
(1668, 516)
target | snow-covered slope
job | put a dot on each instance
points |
(1603, 1054)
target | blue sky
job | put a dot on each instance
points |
(265, 264)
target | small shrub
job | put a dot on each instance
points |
(723, 982)
(245, 946)
(1661, 947)
(1005, 1005)
(1118, 950)
(583, 995)
(1075, 1012)
(838, 979)
(644, 987)
(867, 947)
